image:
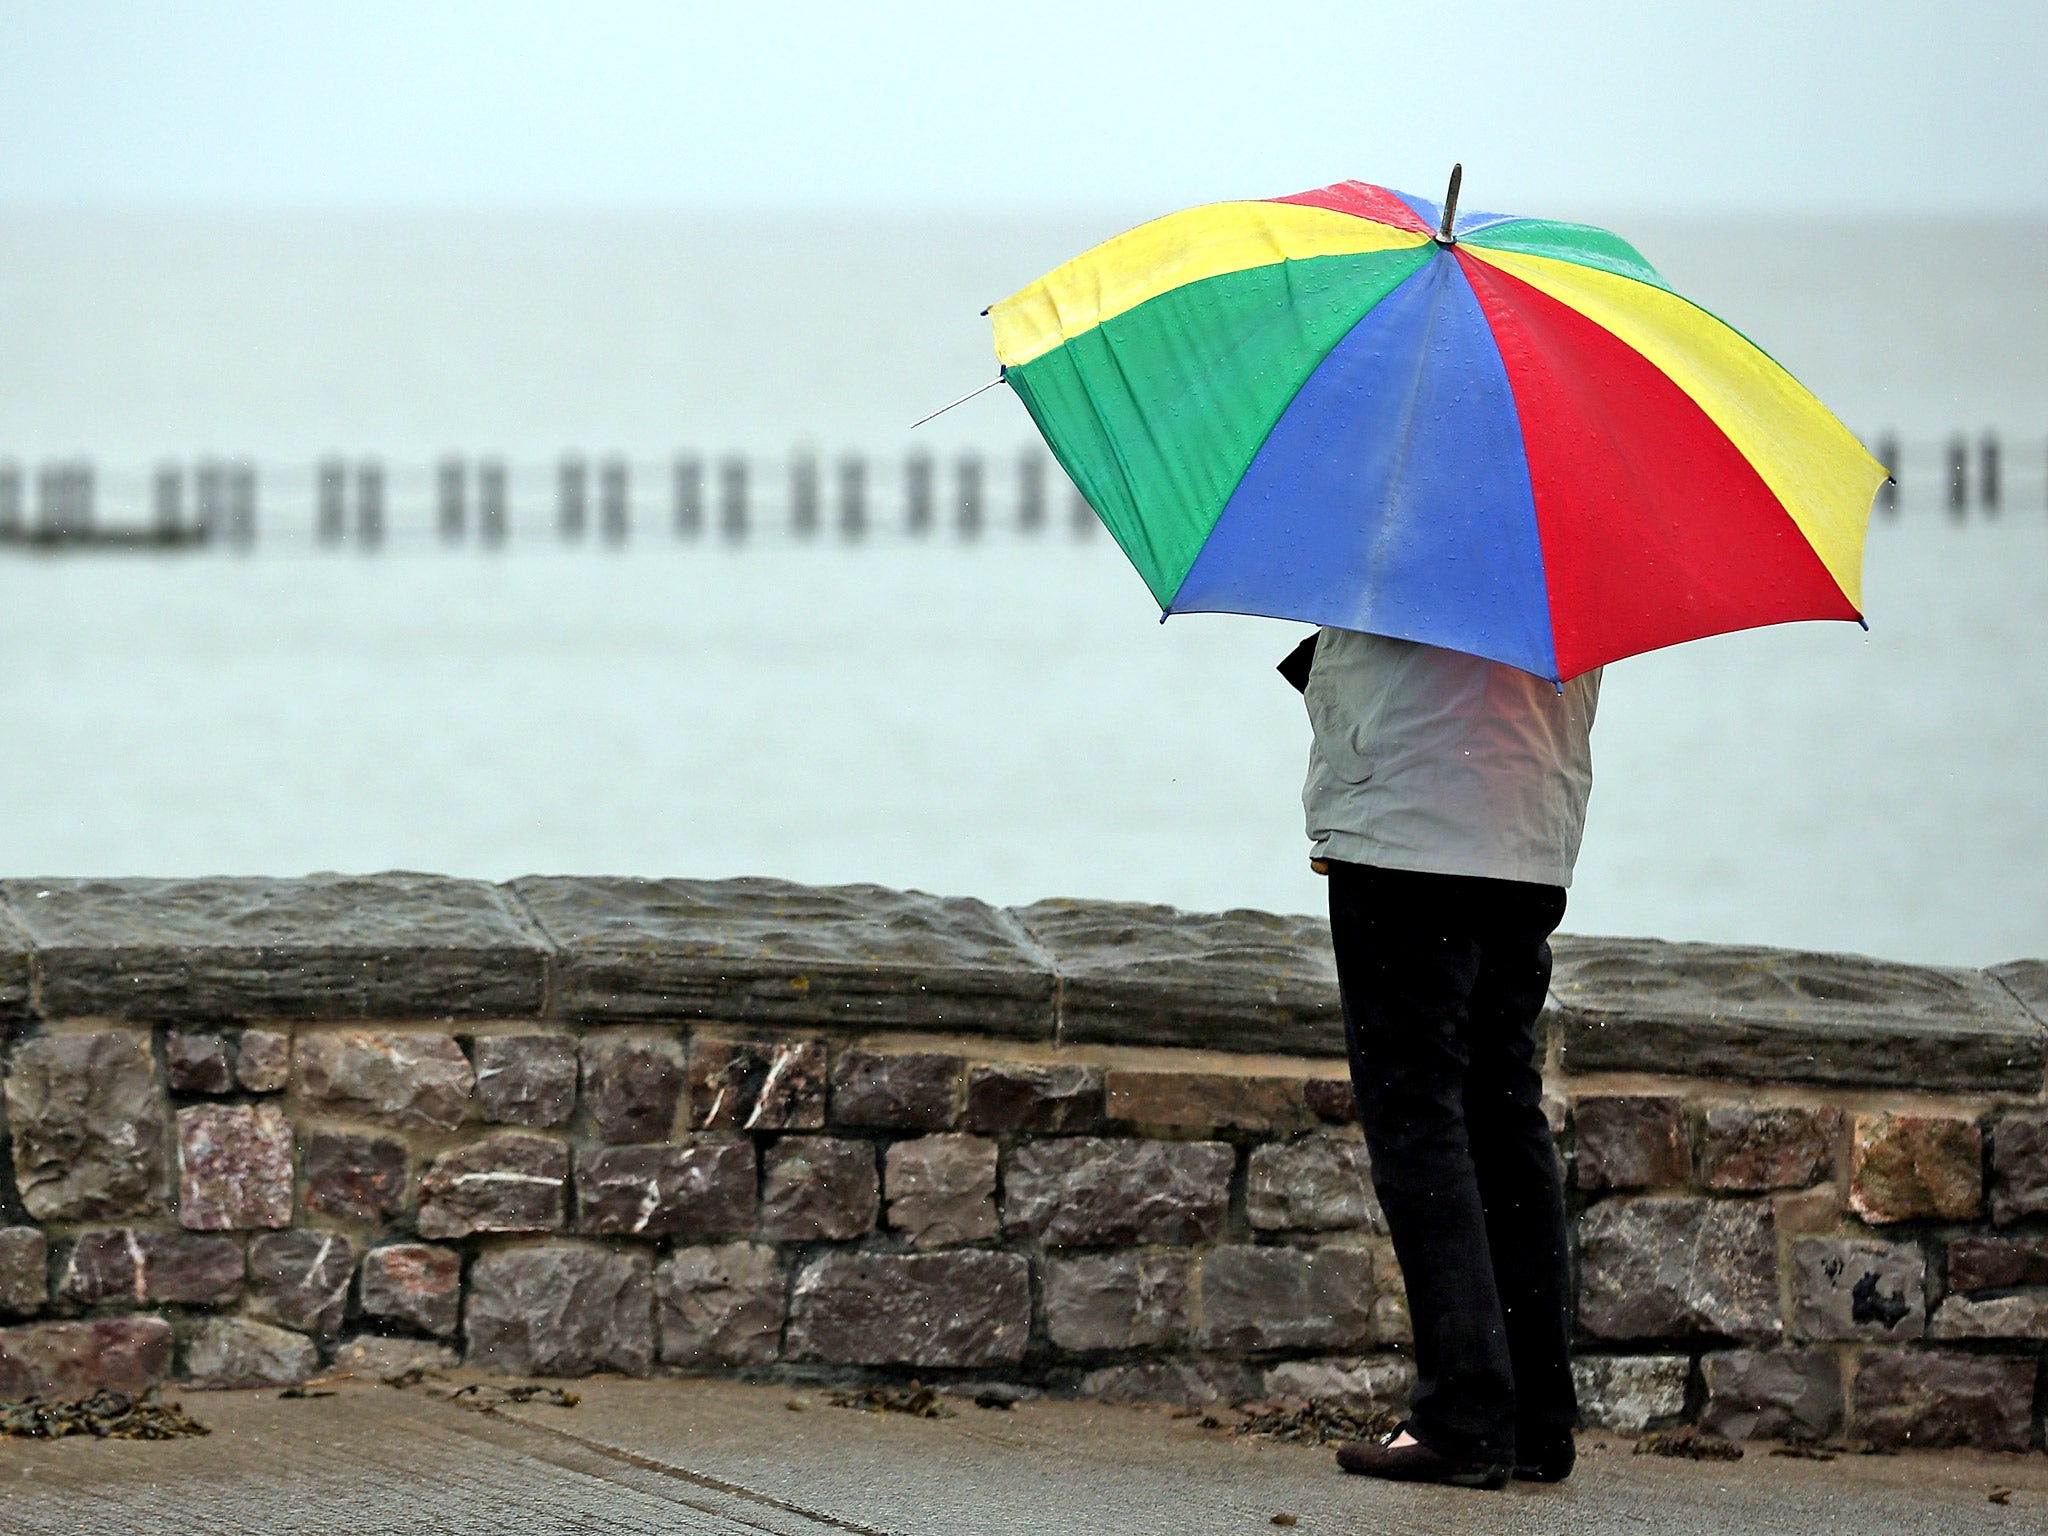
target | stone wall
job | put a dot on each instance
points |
(258, 1128)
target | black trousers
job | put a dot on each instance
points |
(1443, 977)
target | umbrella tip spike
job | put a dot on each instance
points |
(1444, 235)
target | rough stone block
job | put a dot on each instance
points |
(417, 1285)
(14, 968)
(771, 952)
(1932, 1400)
(1722, 1011)
(693, 1192)
(1012, 1097)
(817, 1188)
(197, 1061)
(1206, 1101)
(1318, 1183)
(525, 1079)
(85, 1115)
(1993, 1263)
(24, 1271)
(74, 1360)
(403, 1077)
(123, 1265)
(2019, 1166)
(1132, 974)
(234, 1167)
(633, 1087)
(300, 1279)
(1330, 1099)
(1382, 1382)
(508, 1181)
(1083, 1191)
(1629, 1393)
(233, 1352)
(1753, 1148)
(1116, 1301)
(1391, 1323)
(1661, 1268)
(1286, 1298)
(560, 1310)
(1631, 1141)
(355, 1178)
(327, 947)
(1783, 1394)
(902, 1090)
(942, 1189)
(380, 1359)
(263, 1061)
(738, 1085)
(1181, 1383)
(1847, 1289)
(720, 1306)
(1991, 1317)
(961, 1310)
(1914, 1167)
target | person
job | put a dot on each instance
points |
(1445, 800)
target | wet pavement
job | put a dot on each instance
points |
(676, 1458)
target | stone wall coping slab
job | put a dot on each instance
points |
(2026, 980)
(1726, 1011)
(1103, 975)
(1136, 974)
(760, 951)
(324, 947)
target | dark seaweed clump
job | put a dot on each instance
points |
(104, 1416)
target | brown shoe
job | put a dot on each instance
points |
(1416, 1463)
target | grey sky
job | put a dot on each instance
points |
(1757, 104)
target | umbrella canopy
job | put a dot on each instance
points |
(1507, 436)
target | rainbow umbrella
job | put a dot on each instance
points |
(1504, 436)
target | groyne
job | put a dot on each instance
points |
(262, 1128)
(365, 502)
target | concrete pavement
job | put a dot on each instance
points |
(677, 1458)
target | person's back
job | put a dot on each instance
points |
(1428, 759)
(1445, 800)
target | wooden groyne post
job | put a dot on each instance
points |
(853, 497)
(732, 499)
(967, 497)
(917, 495)
(451, 496)
(614, 501)
(370, 503)
(572, 496)
(1888, 455)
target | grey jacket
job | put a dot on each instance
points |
(1432, 760)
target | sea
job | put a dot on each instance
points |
(1000, 716)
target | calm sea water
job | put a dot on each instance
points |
(1006, 720)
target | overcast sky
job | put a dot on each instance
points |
(1762, 104)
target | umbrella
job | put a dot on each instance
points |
(1505, 436)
